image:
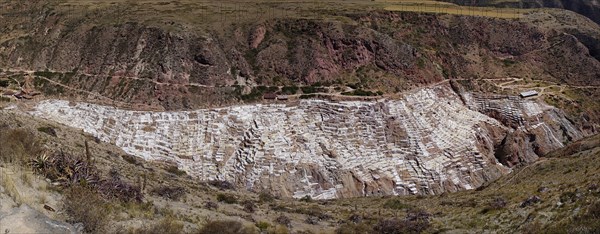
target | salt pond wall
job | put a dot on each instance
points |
(428, 142)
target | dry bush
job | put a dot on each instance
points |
(48, 130)
(497, 204)
(211, 205)
(18, 145)
(284, 220)
(167, 225)
(352, 228)
(415, 222)
(115, 188)
(131, 159)
(227, 198)
(86, 206)
(172, 193)
(594, 211)
(266, 197)
(315, 211)
(226, 227)
(249, 206)
(222, 185)
(395, 204)
(173, 169)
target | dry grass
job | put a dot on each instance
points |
(9, 185)
(85, 205)
(459, 10)
(18, 146)
(226, 227)
(216, 14)
(166, 225)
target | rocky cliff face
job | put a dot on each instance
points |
(428, 142)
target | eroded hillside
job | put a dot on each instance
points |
(188, 64)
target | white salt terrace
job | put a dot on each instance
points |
(421, 144)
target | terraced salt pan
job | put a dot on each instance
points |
(426, 143)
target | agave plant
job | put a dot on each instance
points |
(41, 164)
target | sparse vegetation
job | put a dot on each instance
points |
(48, 130)
(166, 225)
(266, 197)
(170, 192)
(130, 159)
(249, 206)
(227, 198)
(360, 92)
(86, 206)
(18, 146)
(263, 226)
(396, 204)
(289, 90)
(173, 169)
(222, 184)
(226, 227)
(284, 220)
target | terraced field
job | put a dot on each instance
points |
(428, 142)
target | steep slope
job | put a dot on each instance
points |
(184, 65)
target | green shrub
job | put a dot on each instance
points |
(509, 62)
(396, 205)
(262, 225)
(360, 92)
(289, 90)
(312, 89)
(307, 96)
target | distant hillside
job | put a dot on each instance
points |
(588, 8)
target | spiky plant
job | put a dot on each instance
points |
(41, 163)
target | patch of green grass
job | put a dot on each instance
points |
(289, 90)
(47, 74)
(509, 62)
